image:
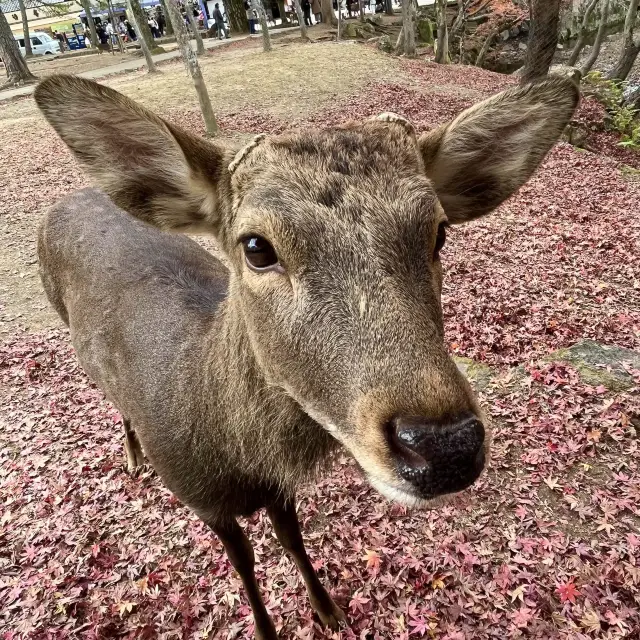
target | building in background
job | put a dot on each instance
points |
(43, 15)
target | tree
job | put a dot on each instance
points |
(584, 26)
(191, 62)
(630, 47)
(25, 30)
(237, 15)
(388, 7)
(602, 31)
(93, 34)
(328, 15)
(442, 45)
(543, 39)
(301, 22)
(283, 13)
(200, 50)
(151, 65)
(408, 29)
(15, 64)
(143, 30)
(258, 7)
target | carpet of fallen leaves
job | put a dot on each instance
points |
(546, 545)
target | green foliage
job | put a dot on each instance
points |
(623, 119)
(56, 10)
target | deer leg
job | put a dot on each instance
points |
(285, 522)
(135, 457)
(240, 553)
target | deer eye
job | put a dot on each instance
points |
(441, 238)
(259, 254)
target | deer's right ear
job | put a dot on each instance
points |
(150, 168)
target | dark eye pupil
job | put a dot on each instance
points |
(259, 253)
(440, 238)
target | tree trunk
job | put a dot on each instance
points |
(86, 5)
(25, 30)
(258, 7)
(595, 50)
(630, 48)
(151, 65)
(191, 62)
(361, 10)
(328, 14)
(543, 39)
(200, 50)
(168, 27)
(388, 7)
(486, 44)
(237, 15)
(442, 47)
(400, 42)
(573, 58)
(143, 30)
(283, 13)
(303, 26)
(15, 64)
(407, 29)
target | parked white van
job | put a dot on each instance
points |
(42, 44)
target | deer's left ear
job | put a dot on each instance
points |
(483, 156)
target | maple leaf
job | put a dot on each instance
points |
(568, 591)
(522, 617)
(357, 601)
(373, 560)
(418, 626)
(590, 620)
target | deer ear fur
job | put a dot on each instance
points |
(483, 156)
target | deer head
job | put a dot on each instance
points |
(333, 238)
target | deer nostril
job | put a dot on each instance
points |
(419, 442)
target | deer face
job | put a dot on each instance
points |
(334, 238)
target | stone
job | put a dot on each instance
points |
(376, 18)
(522, 46)
(599, 364)
(524, 27)
(478, 374)
(514, 32)
(565, 71)
(349, 30)
(504, 35)
(384, 44)
(425, 31)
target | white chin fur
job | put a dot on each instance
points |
(399, 495)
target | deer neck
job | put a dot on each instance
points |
(274, 437)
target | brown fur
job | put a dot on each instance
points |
(238, 384)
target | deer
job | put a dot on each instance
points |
(321, 331)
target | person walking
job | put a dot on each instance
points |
(250, 17)
(153, 26)
(219, 18)
(306, 10)
(316, 7)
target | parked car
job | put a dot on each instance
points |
(42, 44)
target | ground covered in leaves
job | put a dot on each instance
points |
(546, 545)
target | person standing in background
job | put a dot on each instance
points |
(219, 18)
(316, 7)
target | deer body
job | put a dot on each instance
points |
(153, 327)
(327, 327)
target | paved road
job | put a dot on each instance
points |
(133, 64)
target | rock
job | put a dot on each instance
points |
(599, 364)
(522, 46)
(524, 26)
(384, 44)
(566, 72)
(376, 18)
(425, 31)
(504, 35)
(514, 32)
(575, 134)
(479, 375)
(349, 30)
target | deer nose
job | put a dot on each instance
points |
(438, 458)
